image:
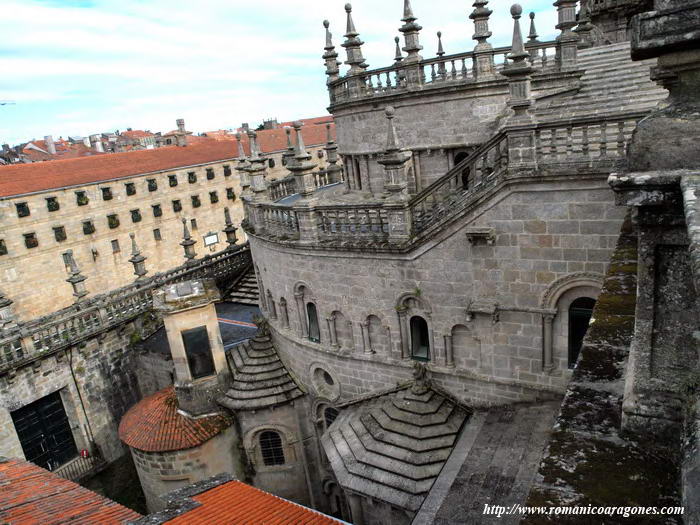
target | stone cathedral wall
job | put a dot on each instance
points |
(552, 244)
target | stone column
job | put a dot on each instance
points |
(449, 352)
(355, 503)
(366, 343)
(271, 307)
(332, 330)
(547, 342)
(257, 170)
(301, 310)
(483, 51)
(302, 168)
(567, 41)
(284, 313)
(403, 330)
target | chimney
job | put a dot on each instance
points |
(180, 125)
(86, 141)
(50, 146)
(97, 143)
(245, 127)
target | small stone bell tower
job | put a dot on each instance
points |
(201, 372)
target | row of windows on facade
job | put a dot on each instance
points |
(31, 240)
(420, 337)
(82, 199)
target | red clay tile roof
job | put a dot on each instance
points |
(235, 503)
(17, 179)
(136, 134)
(32, 495)
(154, 425)
(271, 140)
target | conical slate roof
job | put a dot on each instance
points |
(392, 447)
(260, 379)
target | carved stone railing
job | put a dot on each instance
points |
(281, 188)
(558, 148)
(31, 340)
(80, 468)
(434, 72)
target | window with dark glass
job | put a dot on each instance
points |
(130, 188)
(177, 206)
(213, 197)
(30, 240)
(52, 204)
(81, 198)
(314, 329)
(115, 246)
(3, 247)
(136, 215)
(59, 233)
(157, 210)
(271, 448)
(191, 177)
(196, 203)
(22, 209)
(580, 313)
(106, 194)
(227, 171)
(329, 416)
(420, 340)
(230, 195)
(152, 185)
(198, 352)
(113, 221)
(156, 235)
(172, 180)
(88, 227)
(210, 173)
(271, 163)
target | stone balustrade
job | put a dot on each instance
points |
(571, 147)
(28, 341)
(454, 69)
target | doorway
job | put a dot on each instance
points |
(580, 313)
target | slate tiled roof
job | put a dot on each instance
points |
(19, 179)
(260, 379)
(32, 495)
(154, 425)
(393, 446)
(235, 503)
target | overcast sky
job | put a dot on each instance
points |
(79, 67)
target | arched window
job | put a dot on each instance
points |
(420, 339)
(314, 329)
(329, 415)
(580, 313)
(271, 448)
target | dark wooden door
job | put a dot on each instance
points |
(44, 432)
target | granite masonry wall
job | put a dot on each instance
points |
(163, 472)
(552, 244)
(97, 382)
(34, 278)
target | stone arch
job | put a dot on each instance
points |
(251, 442)
(377, 335)
(557, 299)
(303, 295)
(466, 348)
(410, 305)
(555, 290)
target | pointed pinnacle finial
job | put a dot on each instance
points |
(350, 28)
(329, 36)
(517, 53)
(241, 152)
(533, 32)
(399, 56)
(407, 11)
(254, 151)
(329, 136)
(300, 148)
(134, 248)
(185, 230)
(440, 50)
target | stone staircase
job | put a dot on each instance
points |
(245, 290)
(612, 83)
